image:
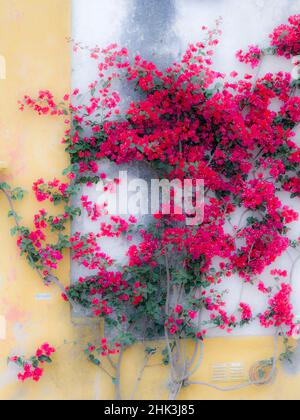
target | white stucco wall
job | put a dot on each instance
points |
(160, 30)
(168, 26)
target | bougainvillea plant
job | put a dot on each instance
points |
(188, 123)
(32, 368)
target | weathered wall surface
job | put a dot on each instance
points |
(32, 40)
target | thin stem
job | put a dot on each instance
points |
(10, 202)
(118, 376)
(106, 372)
(198, 363)
(293, 269)
(113, 365)
(171, 360)
(168, 283)
(140, 376)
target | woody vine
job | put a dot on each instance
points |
(189, 123)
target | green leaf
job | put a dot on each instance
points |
(45, 359)
(93, 360)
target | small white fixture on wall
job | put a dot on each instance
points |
(2, 327)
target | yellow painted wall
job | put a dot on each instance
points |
(32, 40)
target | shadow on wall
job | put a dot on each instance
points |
(148, 31)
